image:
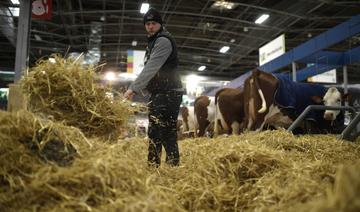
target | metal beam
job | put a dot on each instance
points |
(322, 41)
(174, 13)
(68, 33)
(324, 57)
(7, 25)
(194, 24)
(304, 73)
(346, 58)
(176, 37)
(22, 42)
(121, 21)
(235, 33)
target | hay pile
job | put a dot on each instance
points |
(23, 132)
(345, 194)
(267, 171)
(66, 91)
(29, 144)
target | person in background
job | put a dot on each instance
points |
(161, 80)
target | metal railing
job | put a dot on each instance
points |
(346, 134)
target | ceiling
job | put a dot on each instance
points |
(200, 30)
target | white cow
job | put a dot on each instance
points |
(333, 97)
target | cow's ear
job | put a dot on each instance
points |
(317, 99)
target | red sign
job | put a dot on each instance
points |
(41, 9)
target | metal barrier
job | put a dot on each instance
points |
(347, 132)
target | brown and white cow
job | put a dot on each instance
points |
(259, 91)
(204, 108)
(229, 110)
(332, 97)
(187, 117)
(331, 121)
(275, 100)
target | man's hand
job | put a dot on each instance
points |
(129, 94)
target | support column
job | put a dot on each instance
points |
(345, 79)
(293, 71)
(22, 42)
(346, 103)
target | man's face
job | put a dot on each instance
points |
(152, 27)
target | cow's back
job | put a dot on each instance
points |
(296, 95)
(230, 109)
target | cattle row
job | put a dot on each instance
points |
(266, 101)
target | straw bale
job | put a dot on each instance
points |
(67, 91)
(266, 171)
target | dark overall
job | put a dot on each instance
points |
(165, 100)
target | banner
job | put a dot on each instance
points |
(272, 50)
(41, 9)
(326, 77)
(130, 61)
(135, 61)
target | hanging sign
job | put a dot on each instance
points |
(272, 50)
(41, 9)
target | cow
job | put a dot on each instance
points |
(187, 116)
(204, 108)
(179, 129)
(331, 121)
(333, 97)
(275, 100)
(229, 110)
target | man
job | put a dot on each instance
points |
(161, 79)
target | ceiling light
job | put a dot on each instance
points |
(15, 2)
(201, 68)
(144, 8)
(262, 18)
(224, 5)
(224, 49)
(232, 40)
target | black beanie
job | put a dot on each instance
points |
(152, 15)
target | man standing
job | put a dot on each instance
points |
(161, 79)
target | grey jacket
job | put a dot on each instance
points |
(160, 53)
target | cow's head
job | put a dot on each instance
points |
(332, 97)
